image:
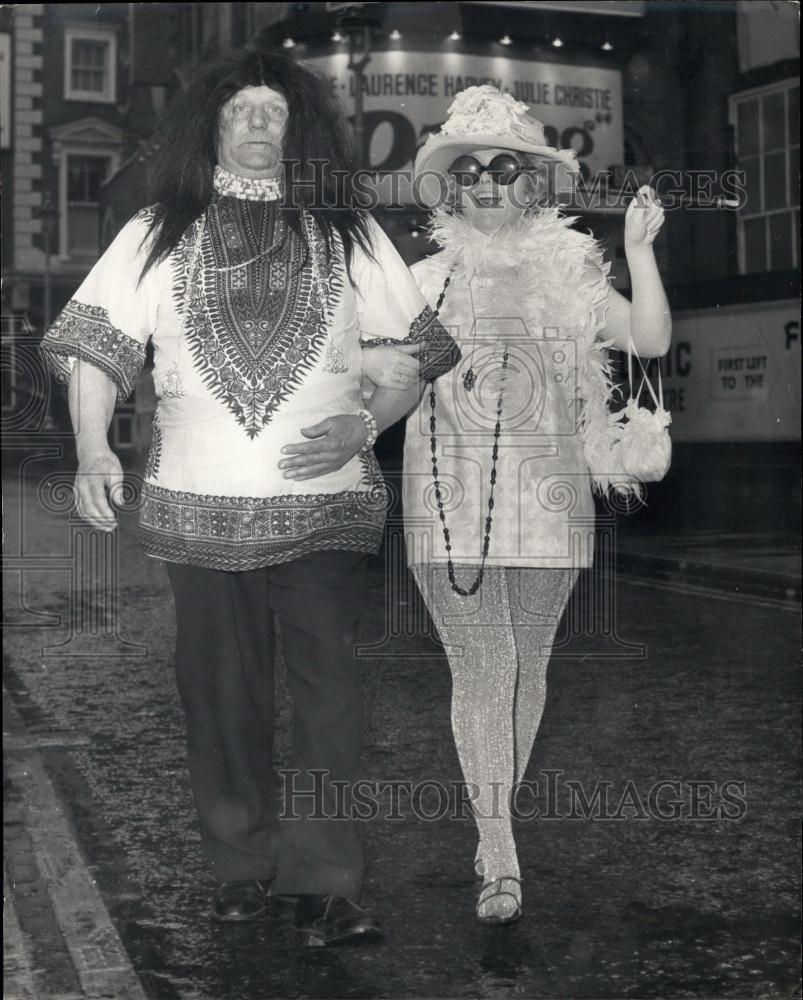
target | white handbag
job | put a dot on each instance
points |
(644, 449)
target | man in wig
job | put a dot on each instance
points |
(259, 284)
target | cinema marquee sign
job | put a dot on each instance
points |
(407, 96)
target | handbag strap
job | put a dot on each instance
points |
(631, 351)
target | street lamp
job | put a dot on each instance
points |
(357, 26)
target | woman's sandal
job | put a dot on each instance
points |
(497, 889)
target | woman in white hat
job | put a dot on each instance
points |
(499, 454)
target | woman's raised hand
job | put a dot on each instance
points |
(391, 366)
(643, 219)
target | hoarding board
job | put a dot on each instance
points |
(733, 373)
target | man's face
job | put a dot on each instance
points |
(251, 128)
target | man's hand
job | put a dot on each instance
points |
(99, 476)
(391, 367)
(336, 440)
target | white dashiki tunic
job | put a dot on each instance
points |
(535, 289)
(250, 345)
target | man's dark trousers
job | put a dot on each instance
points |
(225, 649)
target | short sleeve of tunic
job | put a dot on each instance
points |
(110, 318)
(392, 310)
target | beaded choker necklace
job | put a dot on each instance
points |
(248, 188)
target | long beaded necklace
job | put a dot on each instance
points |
(486, 543)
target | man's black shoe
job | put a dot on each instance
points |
(236, 902)
(322, 921)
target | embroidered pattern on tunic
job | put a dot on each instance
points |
(333, 265)
(254, 320)
(155, 452)
(86, 333)
(440, 353)
(330, 271)
(239, 533)
(206, 503)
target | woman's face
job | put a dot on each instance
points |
(487, 205)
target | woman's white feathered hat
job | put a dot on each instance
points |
(485, 118)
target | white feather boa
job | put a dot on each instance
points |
(557, 276)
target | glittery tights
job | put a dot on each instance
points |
(498, 643)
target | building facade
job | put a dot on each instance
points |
(65, 94)
(685, 93)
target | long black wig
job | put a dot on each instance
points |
(316, 142)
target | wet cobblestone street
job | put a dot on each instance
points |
(632, 906)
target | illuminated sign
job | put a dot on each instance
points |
(407, 95)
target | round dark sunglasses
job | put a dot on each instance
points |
(503, 168)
